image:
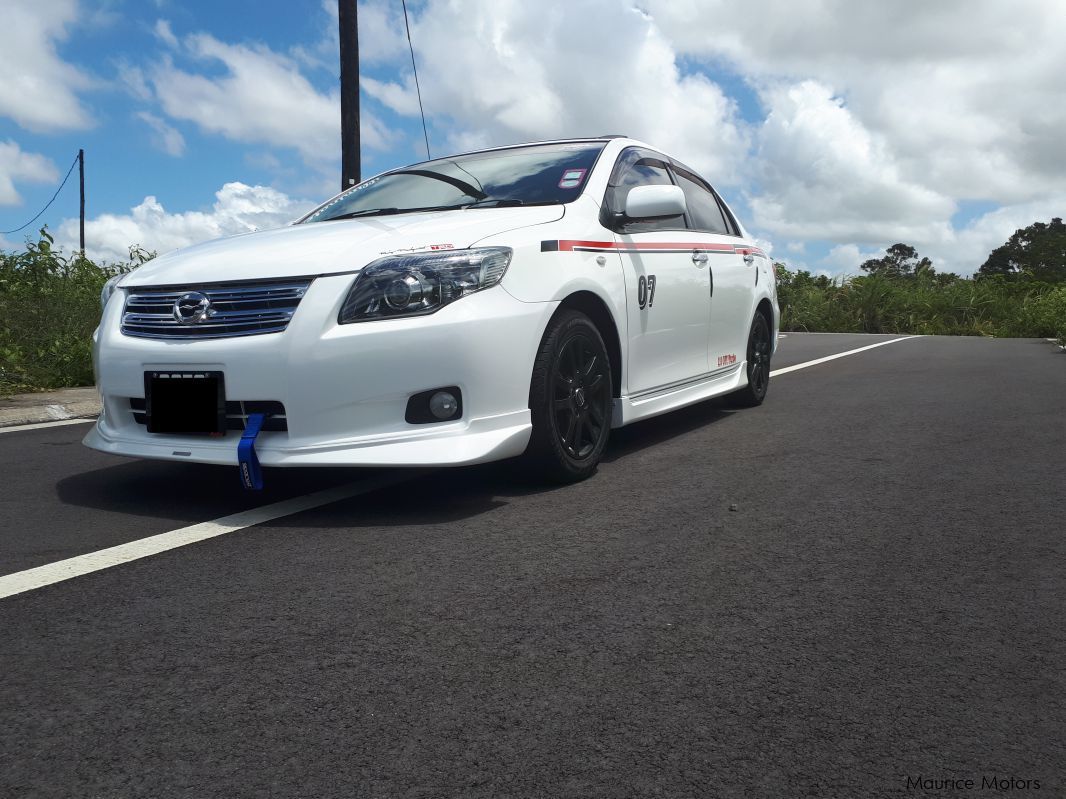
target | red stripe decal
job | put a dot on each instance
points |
(656, 246)
(568, 246)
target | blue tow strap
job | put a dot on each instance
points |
(251, 473)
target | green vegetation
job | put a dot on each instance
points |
(927, 303)
(50, 303)
(1037, 252)
(49, 307)
(1019, 291)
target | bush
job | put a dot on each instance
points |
(924, 303)
(49, 307)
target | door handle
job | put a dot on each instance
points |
(749, 259)
(699, 258)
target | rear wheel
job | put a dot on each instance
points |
(759, 349)
(570, 400)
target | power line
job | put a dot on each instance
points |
(415, 68)
(61, 185)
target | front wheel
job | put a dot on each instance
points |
(570, 400)
(759, 349)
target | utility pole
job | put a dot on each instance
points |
(81, 176)
(349, 36)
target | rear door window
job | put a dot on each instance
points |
(703, 209)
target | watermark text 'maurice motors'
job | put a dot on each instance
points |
(986, 782)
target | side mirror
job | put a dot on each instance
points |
(648, 202)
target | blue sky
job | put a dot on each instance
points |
(125, 158)
(832, 139)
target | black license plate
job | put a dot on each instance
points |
(185, 402)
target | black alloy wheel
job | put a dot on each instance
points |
(760, 347)
(580, 386)
(570, 400)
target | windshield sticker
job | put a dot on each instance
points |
(366, 184)
(572, 178)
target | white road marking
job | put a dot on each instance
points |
(850, 335)
(31, 579)
(20, 427)
(815, 362)
(57, 572)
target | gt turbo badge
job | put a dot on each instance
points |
(572, 178)
(420, 249)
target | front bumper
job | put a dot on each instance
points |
(344, 387)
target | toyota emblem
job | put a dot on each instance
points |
(191, 308)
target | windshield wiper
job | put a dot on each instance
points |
(390, 211)
(463, 186)
(364, 212)
(492, 202)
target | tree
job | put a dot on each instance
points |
(1037, 252)
(900, 260)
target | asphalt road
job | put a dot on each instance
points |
(858, 584)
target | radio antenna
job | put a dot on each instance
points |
(418, 89)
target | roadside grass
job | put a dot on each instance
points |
(49, 307)
(924, 304)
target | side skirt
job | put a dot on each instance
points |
(629, 409)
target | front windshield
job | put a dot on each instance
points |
(535, 175)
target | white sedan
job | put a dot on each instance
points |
(514, 301)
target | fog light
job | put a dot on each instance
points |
(443, 405)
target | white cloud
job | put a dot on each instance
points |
(17, 164)
(963, 96)
(238, 208)
(263, 98)
(871, 123)
(132, 79)
(164, 33)
(381, 36)
(825, 176)
(965, 249)
(845, 259)
(38, 88)
(500, 71)
(401, 98)
(166, 138)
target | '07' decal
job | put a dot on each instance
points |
(645, 291)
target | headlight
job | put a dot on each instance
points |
(109, 289)
(419, 284)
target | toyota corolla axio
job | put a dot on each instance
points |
(516, 301)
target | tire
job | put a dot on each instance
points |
(570, 401)
(758, 366)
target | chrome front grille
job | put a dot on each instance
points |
(233, 309)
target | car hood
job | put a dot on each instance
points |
(343, 245)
